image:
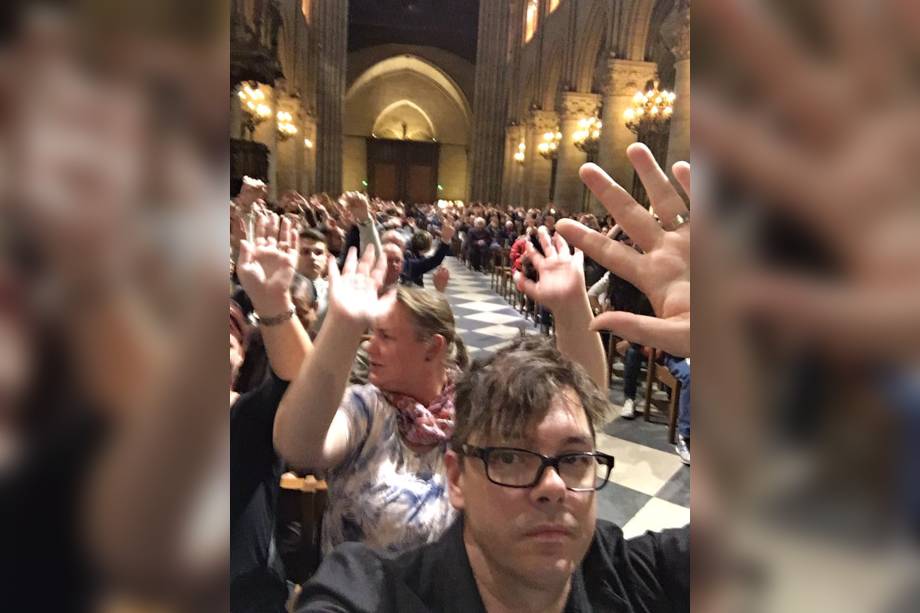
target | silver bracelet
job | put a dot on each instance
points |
(275, 320)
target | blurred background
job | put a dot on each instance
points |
(114, 169)
(806, 129)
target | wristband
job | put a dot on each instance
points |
(275, 320)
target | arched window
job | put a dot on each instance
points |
(531, 19)
(553, 5)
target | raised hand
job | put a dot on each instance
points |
(447, 232)
(353, 291)
(662, 271)
(562, 277)
(251, 192)
(267, 263)
(441, 278)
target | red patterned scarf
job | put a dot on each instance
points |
(421, 425)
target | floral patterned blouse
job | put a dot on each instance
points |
(384, 494)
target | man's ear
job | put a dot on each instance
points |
(454, 464)
(435, 346)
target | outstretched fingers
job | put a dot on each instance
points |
(621, 259)
(635, 220)
(681, 172)
(351, 262)
(669, 335)
(667, 202)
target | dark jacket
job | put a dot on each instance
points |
(415, 266)
(650, 574)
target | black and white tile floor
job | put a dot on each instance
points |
(649, 488)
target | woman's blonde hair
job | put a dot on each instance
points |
(431, 315)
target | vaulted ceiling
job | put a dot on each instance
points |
(447, 24)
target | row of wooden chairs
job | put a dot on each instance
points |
(501, 280)
(657, 376)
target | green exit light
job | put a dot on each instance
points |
(440, 187)
(364, 182)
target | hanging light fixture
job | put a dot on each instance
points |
(588, 134)
(286, 127)
(651, 109)
(519, 155)
(254, 106)
(549, 147)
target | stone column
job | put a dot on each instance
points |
(515, 172)
(507, 167)
(569, 188)
(289, 149)
(331, 34)
(539, 177)
(489, 102)
(307, 165)
(679, 138)
(271, 134)
(624, 78)
(236, 114)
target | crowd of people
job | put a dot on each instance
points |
(440, 493)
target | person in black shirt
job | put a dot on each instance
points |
(266, 271)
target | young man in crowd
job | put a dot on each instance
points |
(313, 264)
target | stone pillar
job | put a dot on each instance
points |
(624, 78)
(236, 115)
(331, 34)
(307, 166)
(489, 102)
(508, 163)
(569, 188)
(289, 149)
(514, 195)
(679, 138)
(271, 135)
(539, 177)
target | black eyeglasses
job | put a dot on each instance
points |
(511, 467)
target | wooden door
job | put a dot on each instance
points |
(403, 170)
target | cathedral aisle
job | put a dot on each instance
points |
(649, 488)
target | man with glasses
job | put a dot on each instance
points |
(523, 469)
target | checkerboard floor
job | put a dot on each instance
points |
(649, 488)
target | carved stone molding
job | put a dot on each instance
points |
(676, 31)
(626, 76)
(578, 104)
(543, 121)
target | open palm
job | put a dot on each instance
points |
(662, 271)
(561, 274)
(267, 263)
(353, 291)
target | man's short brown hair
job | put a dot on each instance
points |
(311, 234)
(503, 396)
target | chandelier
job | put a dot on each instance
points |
(550, 145)
(286, 127)
(520, 153)
(589, 132)
(254, 107)
(651, 110)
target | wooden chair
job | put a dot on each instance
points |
(660, 373)
(302, 500)
(506, 282)
(496, 271)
